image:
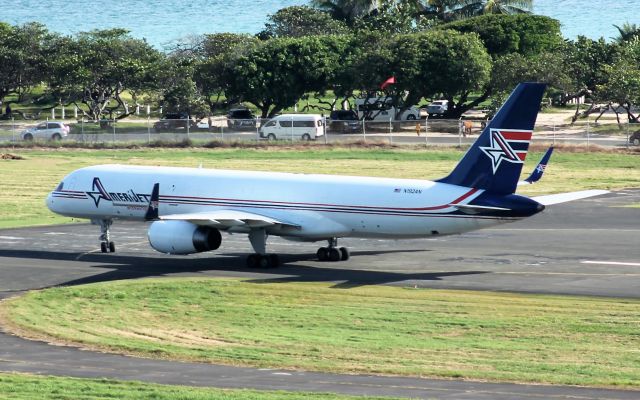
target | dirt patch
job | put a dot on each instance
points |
(9, 156)
(169, 336)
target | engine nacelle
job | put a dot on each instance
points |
(182, 237)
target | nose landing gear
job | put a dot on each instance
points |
(106, 245)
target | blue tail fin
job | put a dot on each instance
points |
(542, 165)
(494, 162)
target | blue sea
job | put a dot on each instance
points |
(163, 22)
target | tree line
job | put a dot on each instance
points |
(333, 51)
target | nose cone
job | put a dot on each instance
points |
(51, 203)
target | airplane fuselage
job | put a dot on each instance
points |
(315, 206)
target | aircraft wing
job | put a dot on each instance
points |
(227, 219)
(565, 197)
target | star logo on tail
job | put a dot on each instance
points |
(501, 148)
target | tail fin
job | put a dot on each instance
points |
(152, 210)
(494, 162)
(536, 174)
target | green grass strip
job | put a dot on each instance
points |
(369, 329)
(29, 387)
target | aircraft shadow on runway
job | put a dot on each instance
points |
(134, 267)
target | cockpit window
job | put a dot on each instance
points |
(60, 187)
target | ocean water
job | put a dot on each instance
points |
(163, 22)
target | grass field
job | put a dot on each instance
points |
(370, 329)
(25, 183)
(29, 387)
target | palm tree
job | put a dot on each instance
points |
(627, 32)
(480, 7)
(458, 9)
(444, 10)
(347, 10)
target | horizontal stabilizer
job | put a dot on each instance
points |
(471, 209)
(565, 197)
(227, 219)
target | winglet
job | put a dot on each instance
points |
(539, 170)
(152, 210)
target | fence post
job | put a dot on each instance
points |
(460, 132)
(426, 123)
(324, 129)
(148, 129)
(426, 128)
(188, 122)
(364, 133)
(627, 145)
(13, 129)
(588, 135)
(113, 122)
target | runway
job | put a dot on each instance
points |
(589, 247)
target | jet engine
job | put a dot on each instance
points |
(182, 237)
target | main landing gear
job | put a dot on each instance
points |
(258, 239)
(106, 245)
(333, 253)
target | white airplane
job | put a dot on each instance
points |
(189, 207)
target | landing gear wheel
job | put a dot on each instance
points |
(112, 247)
(322, 254)
(103, 247)
(264, 262)
(274, 260)
(334, 254)
(344, 254)
(252, 261)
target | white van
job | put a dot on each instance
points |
(382, 109)
(293, 126)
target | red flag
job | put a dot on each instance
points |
(388, 82)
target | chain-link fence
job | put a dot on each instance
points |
(304, 127)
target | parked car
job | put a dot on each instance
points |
(50, 130)
(437, 108)
(344, 121)
(179, 120)
(382, 109)
(293, 126)
(241, 118)
(634, 139)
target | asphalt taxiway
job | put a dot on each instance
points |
(589, 247)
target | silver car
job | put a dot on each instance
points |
(50, 130)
